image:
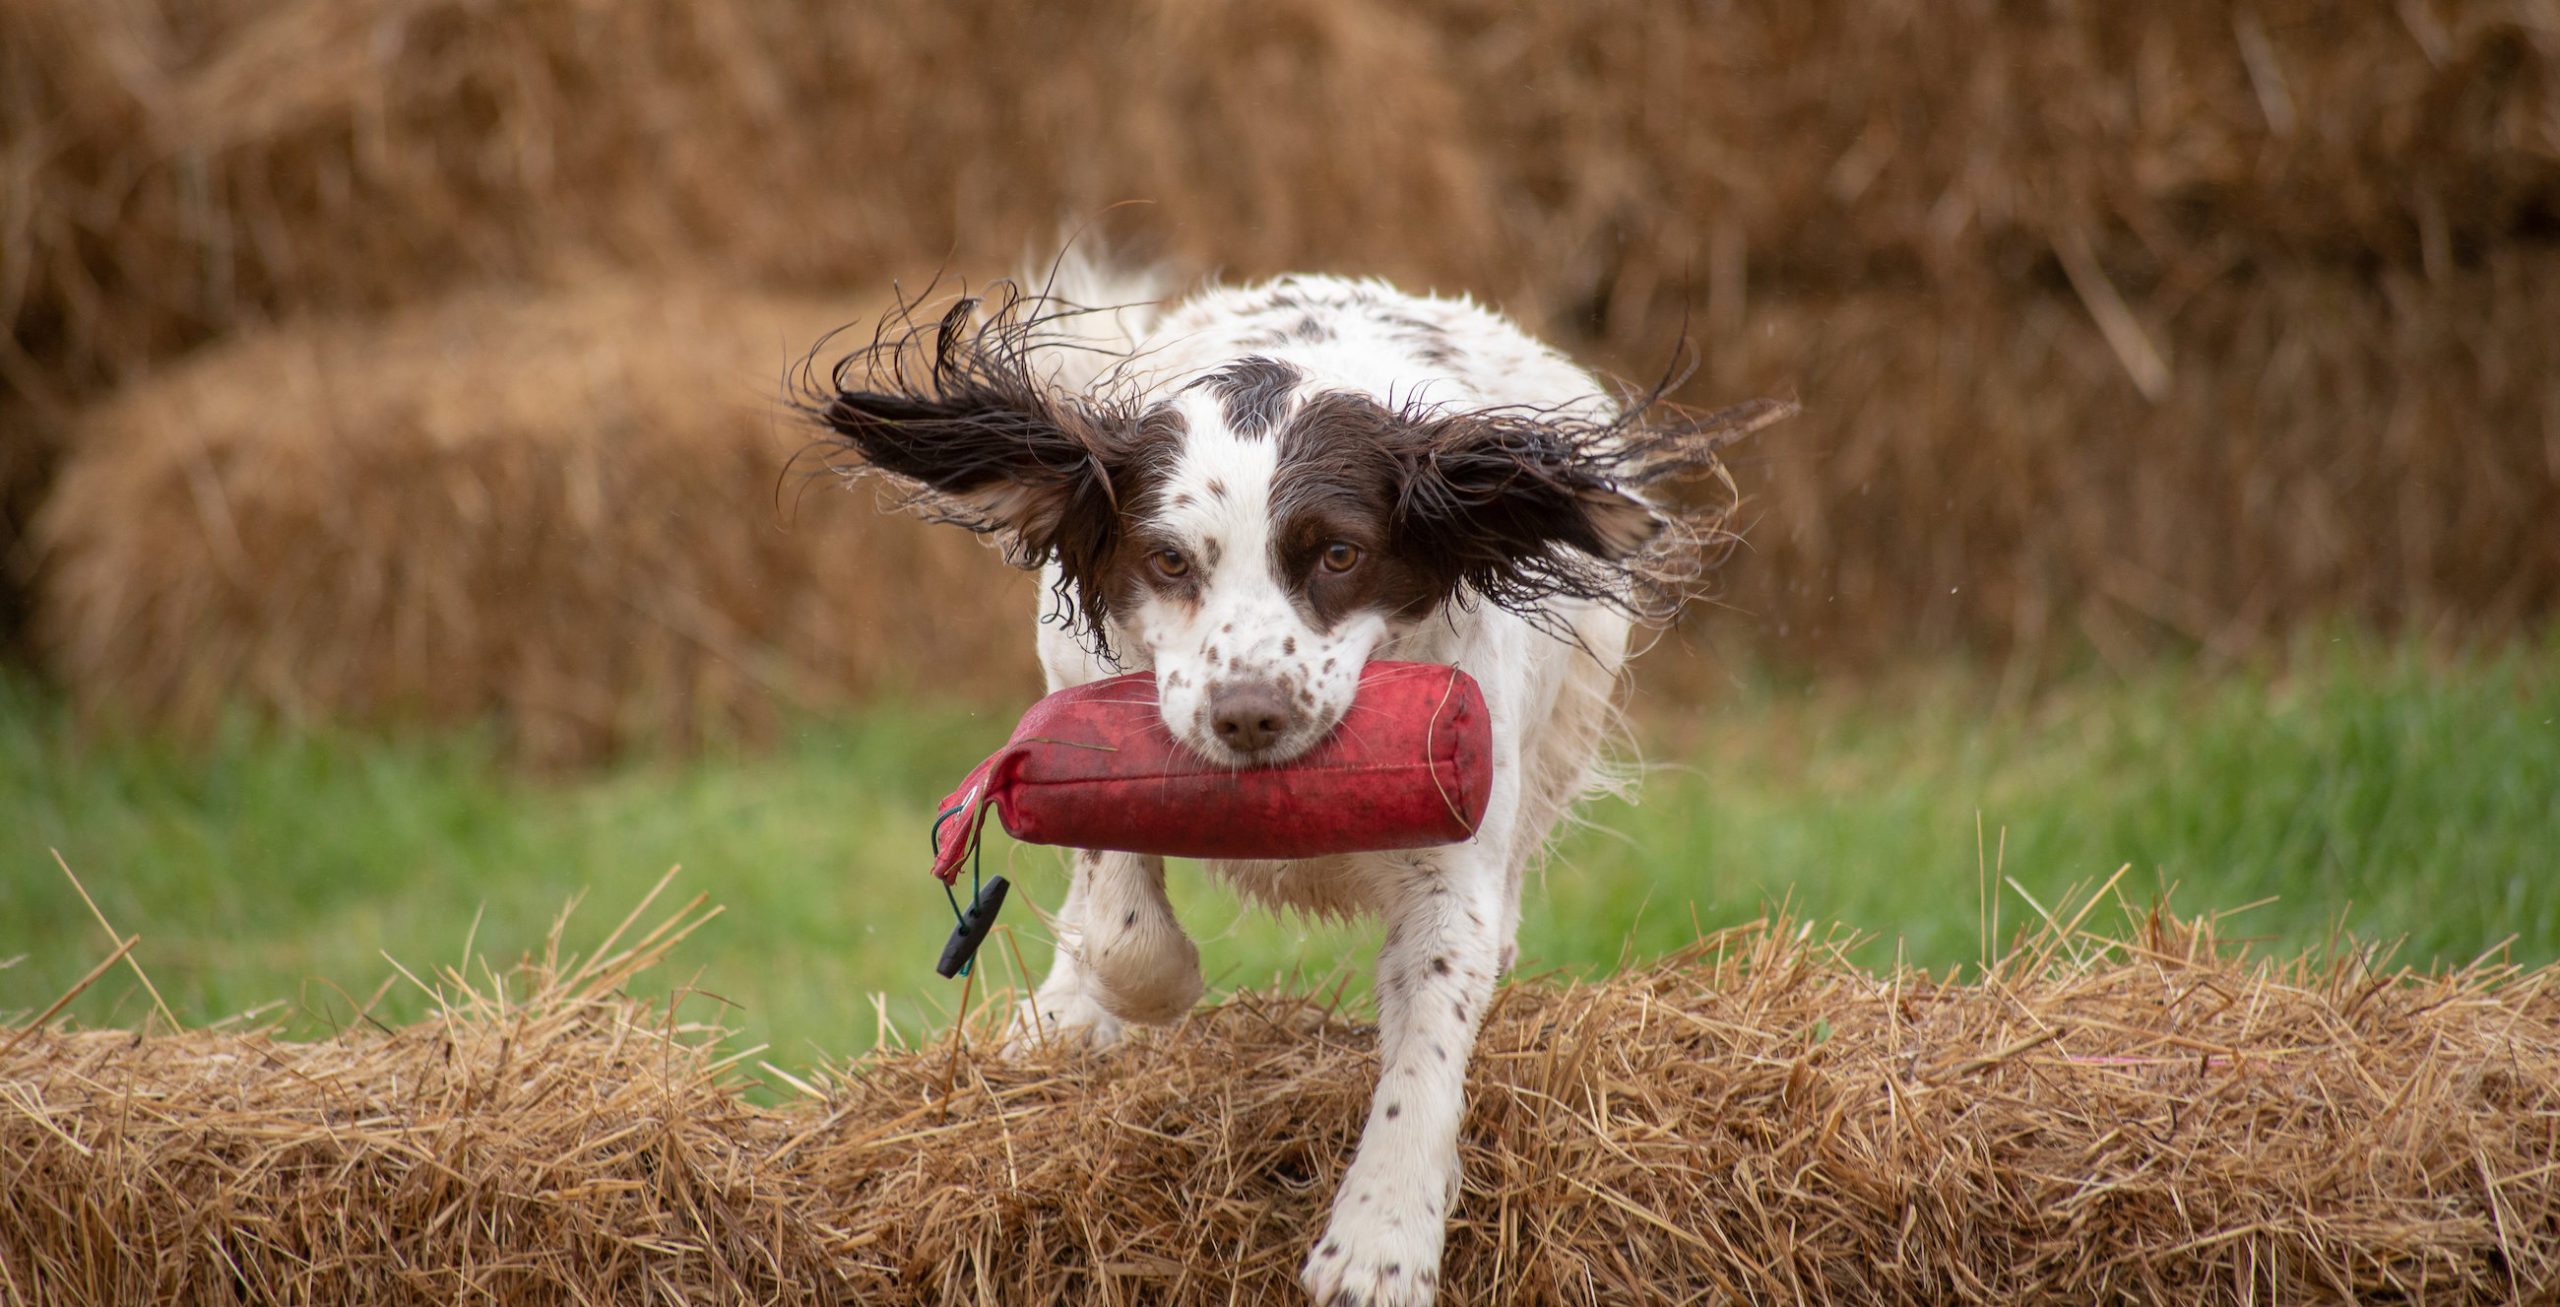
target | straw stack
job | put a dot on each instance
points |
(196, 165)
(193, 166)
(1850, 142)
(2114, 325)
(2144, 1120)
(572, 513)
(2199, 231)
(2320, 447)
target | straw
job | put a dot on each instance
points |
(2148, 1116)
(573, 515)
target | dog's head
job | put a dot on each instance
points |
(1256, 531)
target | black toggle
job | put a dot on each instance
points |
(973, 928)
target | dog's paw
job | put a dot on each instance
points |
(1074, 1022)
(1378, 1260)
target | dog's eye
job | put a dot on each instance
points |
(1341, 556)
(1170, 562)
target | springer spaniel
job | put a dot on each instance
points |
(1251, 494)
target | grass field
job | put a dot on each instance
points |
(2394, 794)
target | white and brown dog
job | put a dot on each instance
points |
(1251, 494)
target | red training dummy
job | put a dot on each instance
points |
(1409, 766)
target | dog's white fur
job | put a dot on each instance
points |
(1251, 495)
(1452, 912)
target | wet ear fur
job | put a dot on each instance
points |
(1522, 506)
(951, 410)
(962, 423)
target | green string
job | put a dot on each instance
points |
(977, 864)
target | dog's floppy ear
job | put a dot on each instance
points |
(1522, 506)
(968, 429)
(955, 415)
(1508, 506)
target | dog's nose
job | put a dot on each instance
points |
(1249, 717)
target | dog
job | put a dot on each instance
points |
(1251, 493)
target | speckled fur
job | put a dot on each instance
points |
(1451, 912)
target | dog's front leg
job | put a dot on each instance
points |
(1121, 956)
(1435, 978)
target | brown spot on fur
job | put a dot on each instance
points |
(1428, 340)
(1337, 482)
(1253, 392)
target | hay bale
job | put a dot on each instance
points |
(568, 512)
(1647, 145)
(184, 169)
(1988, 474)
(2145, 1120)
(1607, 170)
(194, 166)
(192, 163)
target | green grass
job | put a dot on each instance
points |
(2398, 796)
(2395, 797)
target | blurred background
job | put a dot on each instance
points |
(400, 529)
